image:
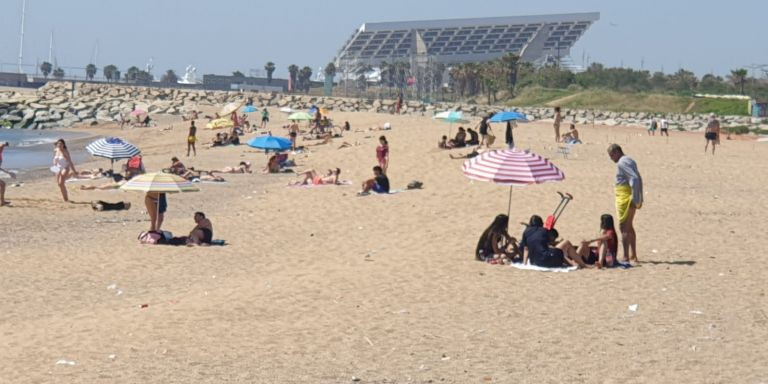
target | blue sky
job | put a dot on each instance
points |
(227, 35)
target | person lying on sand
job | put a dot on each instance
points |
(311, 177)
(95, 173)
(243, 167)
(470, 155)
(103, 187)
(193, 175)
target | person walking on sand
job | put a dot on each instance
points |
(382, 153)
(652, 125)
(63, 166)
(629, 198)
(712, 133)
(399, 103)
(3, 146)
(556, 124)
(192, 138)
(264, 118)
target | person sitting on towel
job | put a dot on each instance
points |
(202, 234)
(379, 183)
(495, 244)
(538, 247)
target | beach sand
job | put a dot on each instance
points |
(318, 285)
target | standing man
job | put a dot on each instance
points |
(264, 118)
(192, 138)
(556, 124)
(629, 198)
(664, 126)
(482, 128)
(712, 133)
(652, 125)
(399, 103)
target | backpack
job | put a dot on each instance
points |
(151, 237)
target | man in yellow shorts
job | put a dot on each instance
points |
(629, 198)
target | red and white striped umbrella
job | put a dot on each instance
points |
(512, 167)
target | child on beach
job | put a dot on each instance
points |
(604, 253)
(382, 153)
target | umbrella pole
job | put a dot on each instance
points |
(509, 205)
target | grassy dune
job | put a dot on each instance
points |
(626, 102)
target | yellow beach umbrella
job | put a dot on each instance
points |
(220, 123)
(159, 182)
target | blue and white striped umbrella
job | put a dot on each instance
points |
(113, 148)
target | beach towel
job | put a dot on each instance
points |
(341, 182)
(391, 192)
(623, 201)
(531, 267)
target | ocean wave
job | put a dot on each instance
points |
(35, 142)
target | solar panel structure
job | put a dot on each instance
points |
(465, 40)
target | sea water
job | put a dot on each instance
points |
(33, 149)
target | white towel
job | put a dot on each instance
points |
(530, 267)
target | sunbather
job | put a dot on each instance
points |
(311, 177)
(103, 187)
(243, 167)
(195, 175)
(470, 155)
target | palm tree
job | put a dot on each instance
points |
(330, 73)
(144, 77)
(46, 68)
(293, 72)
(238, 74)
(170, 77)
(109, 72)
(739, 78)
(304, 78)
(511, 62)
(90, 71)
(270, 68)
(58, 73)
(131, 73)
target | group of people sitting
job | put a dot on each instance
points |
(460, 140)
(226, 138)
(540, 246)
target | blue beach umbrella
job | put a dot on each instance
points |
(249, 109)
(113, 148)
(507, 116)
(269, 142)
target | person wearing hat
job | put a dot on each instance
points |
(712, 133)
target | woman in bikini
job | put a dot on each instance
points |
(63, 166)
(243, 167)
(311, 177)
(156, 206)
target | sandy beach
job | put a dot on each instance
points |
(318, 285)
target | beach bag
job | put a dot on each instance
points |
(151, 237)
(491, 139)
(415, 184)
